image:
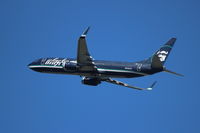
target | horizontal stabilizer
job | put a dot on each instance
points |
(169, 71)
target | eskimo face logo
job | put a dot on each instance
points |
(162, 55)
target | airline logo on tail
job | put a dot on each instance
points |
(162, 55)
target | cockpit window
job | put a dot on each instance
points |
(36, 61)
(43, 60)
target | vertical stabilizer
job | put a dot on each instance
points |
(160, 56)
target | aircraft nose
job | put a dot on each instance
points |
(30, 64)
(33, 64)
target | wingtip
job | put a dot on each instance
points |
(151, 87)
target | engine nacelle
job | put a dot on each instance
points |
(91, 81)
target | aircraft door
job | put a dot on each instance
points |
(138, 67)
(70, 66)
(43, 60)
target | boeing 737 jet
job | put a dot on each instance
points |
(93, 72)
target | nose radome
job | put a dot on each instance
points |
(36, 62)
(32, 66)
(29, 65)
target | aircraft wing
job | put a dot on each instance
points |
(84, 60)
(127, 85)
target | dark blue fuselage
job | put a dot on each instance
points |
(104, 68)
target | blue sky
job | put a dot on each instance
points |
(121, 30)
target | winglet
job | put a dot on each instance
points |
(85, 32)
(151, 87)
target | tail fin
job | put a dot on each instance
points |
(160, 56)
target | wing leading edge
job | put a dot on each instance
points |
(129, 86)
(84, 60)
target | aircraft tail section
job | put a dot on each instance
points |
(160, 56)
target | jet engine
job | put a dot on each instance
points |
(91, 81)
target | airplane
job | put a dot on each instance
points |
(93, 72)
